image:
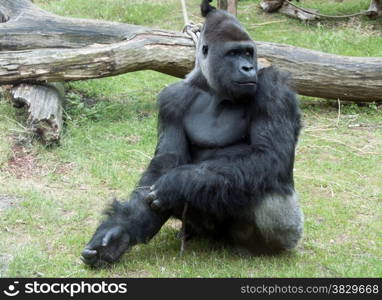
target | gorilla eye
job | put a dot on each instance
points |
(232, 53)
(249, 52)
(205, 50)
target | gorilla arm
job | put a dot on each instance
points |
(132, 222)
(224, 186)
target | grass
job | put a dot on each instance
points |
(110, 135)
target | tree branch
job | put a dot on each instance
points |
(39, 46)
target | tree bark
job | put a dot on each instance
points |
(39, 46)
(232, 7)
(223, 4)
(32, 39)
(282, 6)
(375, 9)
(228, 5)
(271, 5)
(296, 13)
(45, 107)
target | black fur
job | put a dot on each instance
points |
(226, 145)
(206, 8)
(228, 183)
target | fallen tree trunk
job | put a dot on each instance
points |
(36, 45)
(45, 107)
(294, 11)
(283, 7)
(375, 9)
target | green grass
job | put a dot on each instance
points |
(110, 135)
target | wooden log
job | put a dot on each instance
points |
(74, 49)
(297, 13)
(285, 7)
(375, 9)
(315, 73)
(232, 7)
(328, 76)
(271, 5)
(282, 6)
(223, 4)
(29, 27)
(228, 5)
(3, 18)
(45, 107)
(76, 46)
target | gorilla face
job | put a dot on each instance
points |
(227, 57)
(231, 69)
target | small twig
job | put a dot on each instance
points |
(51, 171)
(362, 126)
(68, 188)
(183, 229)
(267, 23)
(139, 152)
(314, 129)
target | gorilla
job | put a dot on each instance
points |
(226, 144)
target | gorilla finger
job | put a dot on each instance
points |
(94, 262)
(89, 256)
(88, 253)
(156, 205)
(110, 235)
(152, 196)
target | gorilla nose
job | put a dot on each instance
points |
(248, 71)
(247, 68)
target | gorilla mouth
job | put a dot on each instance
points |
(246, 82)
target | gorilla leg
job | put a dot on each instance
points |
(279, 220)
(127, 224)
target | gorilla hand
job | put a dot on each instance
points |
(111, 239)
(162, 204)
(127, 224)
(164, 196)
(107, 245)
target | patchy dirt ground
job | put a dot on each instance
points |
(23, 162)
(7, 201)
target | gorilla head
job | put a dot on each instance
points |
(226, 55)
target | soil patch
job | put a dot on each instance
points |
(7, 201)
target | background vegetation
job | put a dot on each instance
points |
(51, 197)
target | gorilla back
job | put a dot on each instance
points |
(226, 145)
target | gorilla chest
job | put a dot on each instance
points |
(208, 125)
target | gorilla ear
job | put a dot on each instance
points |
(205, 50)
(206, 7)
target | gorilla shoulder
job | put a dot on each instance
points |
(274, 90)
(175, 99)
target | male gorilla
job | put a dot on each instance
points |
(227, 137)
